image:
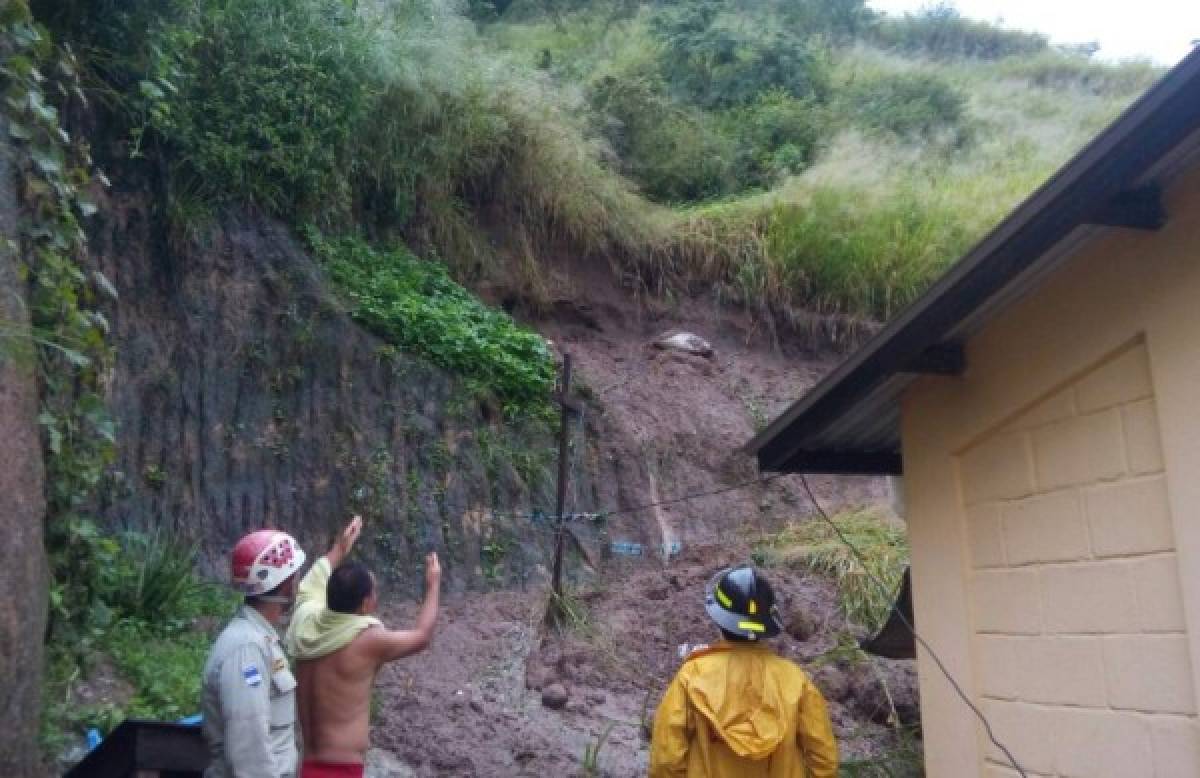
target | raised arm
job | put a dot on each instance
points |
(388, 645)
(311, 592)
(344, 543)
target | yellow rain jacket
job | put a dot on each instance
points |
(738, 710)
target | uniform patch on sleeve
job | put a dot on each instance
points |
(252, 676)
(278, 664)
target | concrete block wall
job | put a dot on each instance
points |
(1078, 637)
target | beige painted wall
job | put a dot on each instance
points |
(1053, 494)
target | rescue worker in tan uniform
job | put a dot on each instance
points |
(249, 693)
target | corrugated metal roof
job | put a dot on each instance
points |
(849, 423)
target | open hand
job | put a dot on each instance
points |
(433, 570)
(349, 535)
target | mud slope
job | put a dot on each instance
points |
(672, 424)
(472, 704)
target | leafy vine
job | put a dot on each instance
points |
(54, 172)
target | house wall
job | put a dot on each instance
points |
(1053, 493)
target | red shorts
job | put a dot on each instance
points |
(330, 770)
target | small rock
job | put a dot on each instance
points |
(659, 593)
(597, 698)
(687, 343)
(477, 706)
(576, 706)
(833, 683)
(801, 625)
(555, 696)
(538, 676)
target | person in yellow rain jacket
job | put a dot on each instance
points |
(737, 709)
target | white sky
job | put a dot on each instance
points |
(1161, 30)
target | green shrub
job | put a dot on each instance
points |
(154, 582)
(674, 153)
(813, 545)
(838, 20)
(942, 32)
(716, 60)
(778, 135)
(151, 615)
(264, 101)
(909, 105)
(417, 307)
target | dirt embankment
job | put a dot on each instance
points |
(665, 424)
(245, 396)
(473, 705)
(661, 424)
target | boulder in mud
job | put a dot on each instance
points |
(801, 625)
(555, 696)
(686, 343)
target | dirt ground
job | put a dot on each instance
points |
(472, 705)
(662, 424)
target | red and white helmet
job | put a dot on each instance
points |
(263, 560)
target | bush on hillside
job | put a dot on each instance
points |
(267, 100)
(942, 32)
(778, 136)
(673, 152)
(712, 60)
(838, 20)
(909, 105)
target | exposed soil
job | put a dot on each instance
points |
(665, 423)
(473, 704)
(660, 424)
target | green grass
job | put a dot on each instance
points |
(416, 306)
(814, 546)
(152, 621)
(841, 183)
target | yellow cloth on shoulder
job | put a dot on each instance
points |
(315, 631)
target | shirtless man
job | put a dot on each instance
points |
(340, 647)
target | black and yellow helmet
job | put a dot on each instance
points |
(742, 603)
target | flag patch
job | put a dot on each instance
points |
(252, 676)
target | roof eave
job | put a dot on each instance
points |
(1112, 163)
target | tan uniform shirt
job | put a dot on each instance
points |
(249, 702)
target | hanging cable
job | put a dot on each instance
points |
(908, 625)
(695, 496)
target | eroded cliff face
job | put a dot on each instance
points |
(246, 397)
